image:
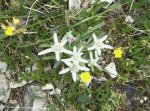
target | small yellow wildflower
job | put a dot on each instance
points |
(16, 21)
(86, 77)
(9, 30)
(118, 53)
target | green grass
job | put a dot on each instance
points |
(21, 51)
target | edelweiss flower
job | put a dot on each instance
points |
(73, 68)
(98, 44)
(76, 56)
(93, 62)
(111, 69)
(58, 48)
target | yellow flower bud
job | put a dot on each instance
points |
(16, 21)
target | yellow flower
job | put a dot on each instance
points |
(16, 21)
(118, 53)
(9, 31)
(86, 77)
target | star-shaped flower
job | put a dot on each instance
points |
(98, 44)
(58, 48)
(93, 62)
(76, 56)
(73, 68)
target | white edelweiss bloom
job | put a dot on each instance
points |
(73, 68)
(76, 56)
(98, 44)
(111, 69)
(58, 48)
(93, 62)
(129, 19)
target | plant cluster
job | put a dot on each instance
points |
(75, 62)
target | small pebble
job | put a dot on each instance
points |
(145, 98)
(141, 101)
(129, 19)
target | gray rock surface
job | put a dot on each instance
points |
(74, 5)
(34, 98)
(3, 67)
(4, 91)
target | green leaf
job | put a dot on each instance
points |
(44, 45)
(90, 30)
(84, 99)
(116, 5)
(48, 58)
(52, 107)
(34, 96)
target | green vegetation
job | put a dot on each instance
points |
(40, 18)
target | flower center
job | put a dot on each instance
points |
(99, 44)
(58, 47)
(76, 56)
